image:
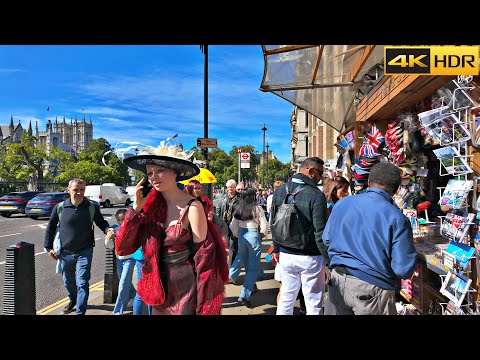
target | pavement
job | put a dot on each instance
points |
(263, 301)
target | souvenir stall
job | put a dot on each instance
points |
(427, 126)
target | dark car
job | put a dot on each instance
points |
(15, 202)
(43, 204)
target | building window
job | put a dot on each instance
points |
(306, 120)
(306, 145)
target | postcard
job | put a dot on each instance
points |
(455, 287)
(452, 161)
(460, 255)
(455, 225)
(455, 195)
(443, 126)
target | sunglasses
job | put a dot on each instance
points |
(198, 188)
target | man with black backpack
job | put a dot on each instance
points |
(298, 218)
(75, 229)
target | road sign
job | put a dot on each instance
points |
(239, 150)
(206, 143)
(245, 157)
(245, 165)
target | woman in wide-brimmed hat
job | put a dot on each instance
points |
(185, 269)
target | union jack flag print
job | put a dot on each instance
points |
(374, 136)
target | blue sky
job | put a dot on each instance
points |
(146, 93)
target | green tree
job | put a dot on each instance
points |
(26, 159)
(95, 150)
(276, 171)
(92, 169)
(59, 161)
(88, 171)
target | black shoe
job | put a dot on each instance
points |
(245, 302)
(69, 308)
(232, 281)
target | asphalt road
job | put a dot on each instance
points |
(49, 284)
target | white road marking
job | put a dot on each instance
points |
(40, 253)
(10, 234)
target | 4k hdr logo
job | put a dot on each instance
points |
(431, 60)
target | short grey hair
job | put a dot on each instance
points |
(76, 180)
(231, 182)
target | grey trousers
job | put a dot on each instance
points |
(348, 295)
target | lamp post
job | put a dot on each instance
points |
(267, 163)
(264, 129)
(204, 50)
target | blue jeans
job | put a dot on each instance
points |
(139, 307)
(126, 290)
(249, 255)
(76, 276)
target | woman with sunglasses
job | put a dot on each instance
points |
(195, 189)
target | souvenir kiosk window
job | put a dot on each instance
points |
(427, 127)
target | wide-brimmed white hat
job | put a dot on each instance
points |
(171, 157)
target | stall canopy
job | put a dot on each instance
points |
(327, 81)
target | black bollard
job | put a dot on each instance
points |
(19, 294)
(110, 284)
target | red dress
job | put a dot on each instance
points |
(179, 277)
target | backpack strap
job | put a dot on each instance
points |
(295, 192)
(91, 209)
(59, 210)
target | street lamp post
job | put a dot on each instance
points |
(267, 163)
(204, 49)
(264, 129)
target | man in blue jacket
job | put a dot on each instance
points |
(370, 246)
(77, 241)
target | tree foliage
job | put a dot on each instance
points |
(25, 160)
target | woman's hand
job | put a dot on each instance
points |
(139, 199)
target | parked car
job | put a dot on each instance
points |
(15, 202)
(43, 204)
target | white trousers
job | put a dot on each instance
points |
(307, 272)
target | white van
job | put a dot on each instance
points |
(131, 192)
(108, 194)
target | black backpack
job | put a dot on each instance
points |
(289, 226)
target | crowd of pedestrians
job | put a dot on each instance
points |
(354, 252)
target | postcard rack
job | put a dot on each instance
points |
(452, 104)
(466, 301)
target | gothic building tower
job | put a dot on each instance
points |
(78, 135)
